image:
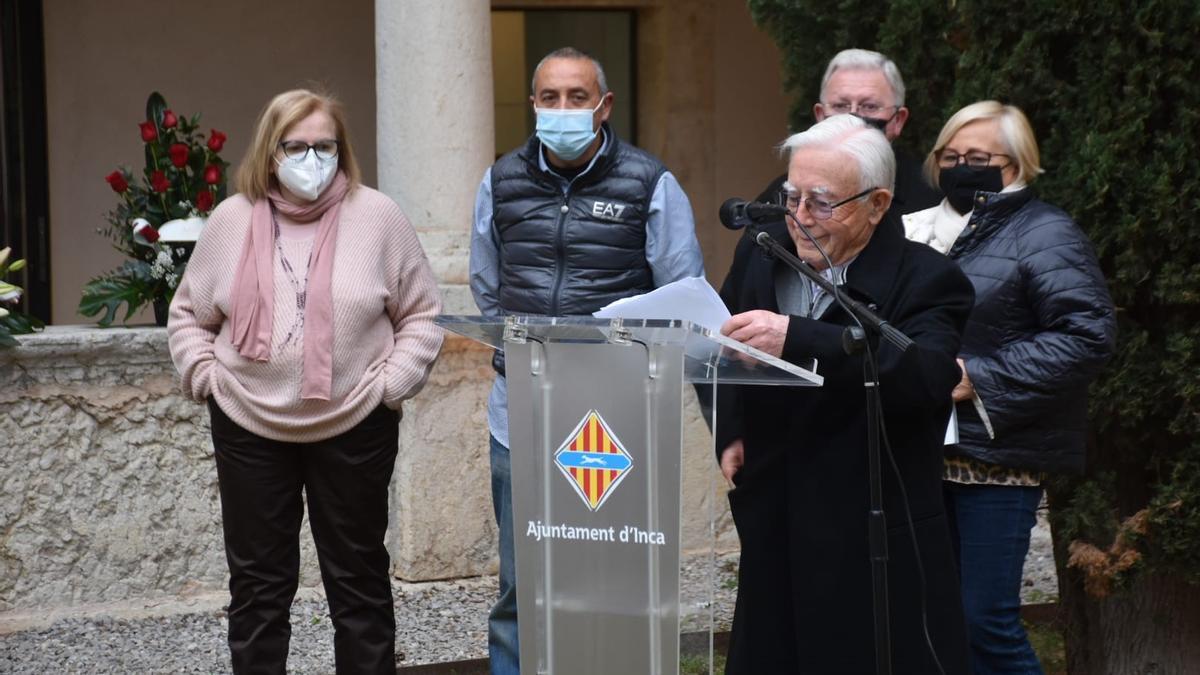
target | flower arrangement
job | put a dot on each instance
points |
(13, 322)
(159, 215)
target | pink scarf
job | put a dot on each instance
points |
(252, 301)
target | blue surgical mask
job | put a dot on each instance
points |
(566, 133)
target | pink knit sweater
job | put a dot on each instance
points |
(384, 339)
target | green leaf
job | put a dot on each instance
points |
(155, 105)
(19, 323)
(149, 151)
(131, 284)
(154, 213)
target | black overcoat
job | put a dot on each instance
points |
(800, 503)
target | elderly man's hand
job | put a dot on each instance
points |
(732, 458)
(763, 330)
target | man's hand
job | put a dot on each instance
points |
(763, 330)
(964, 390)
(732, 458)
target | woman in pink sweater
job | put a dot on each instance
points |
(305, 318)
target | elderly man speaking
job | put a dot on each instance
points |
(798, 457)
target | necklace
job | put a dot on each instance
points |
(300, 287)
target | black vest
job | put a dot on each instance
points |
(571, 254)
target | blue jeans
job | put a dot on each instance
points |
(503, 651)
(990, 526)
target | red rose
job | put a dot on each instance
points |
(149, 133)
(179, 155)
(212, 174)
(169, 120)
(116, 180)
(159, 182)
(216, 141)
(204, 201)
(143, 232)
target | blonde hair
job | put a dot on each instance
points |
(1015, 133)
(286, 109)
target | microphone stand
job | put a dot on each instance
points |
(855, 340)
(865, 315)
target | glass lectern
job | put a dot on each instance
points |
(595, 430)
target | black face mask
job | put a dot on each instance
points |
(962, 182)
(876, 123)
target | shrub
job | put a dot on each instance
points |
(1110, 88)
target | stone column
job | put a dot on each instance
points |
(436, 137)
(435, 123)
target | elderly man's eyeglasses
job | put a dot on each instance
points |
(866, 109)
(948, 159)
(298, 150)
(818, 208)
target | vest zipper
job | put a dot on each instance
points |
(559, 259)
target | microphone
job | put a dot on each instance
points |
(738, 213)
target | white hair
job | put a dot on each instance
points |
(867, 146)
(863, 59)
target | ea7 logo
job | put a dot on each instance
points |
(607, 210)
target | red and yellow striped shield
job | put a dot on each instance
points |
(593, 460)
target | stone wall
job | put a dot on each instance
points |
(108, 488)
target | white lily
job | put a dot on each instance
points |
(9, 292)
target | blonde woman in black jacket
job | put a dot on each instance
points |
(1042, 327)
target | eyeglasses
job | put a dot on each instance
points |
(867, 108)
(298, 150)
(818, 208)
(948, 159)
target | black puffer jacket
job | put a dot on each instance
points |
(1042, 327)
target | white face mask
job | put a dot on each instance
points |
(307, 177)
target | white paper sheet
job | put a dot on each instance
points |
(952, 428)
(691, 299)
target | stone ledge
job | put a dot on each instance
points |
(73, 338)
(85, 355)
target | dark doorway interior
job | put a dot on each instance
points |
(520, 38)
(24, 183)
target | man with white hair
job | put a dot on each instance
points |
(798, 456)
(868, 85)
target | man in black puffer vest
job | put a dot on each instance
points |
(564, 225)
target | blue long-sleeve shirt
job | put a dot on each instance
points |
(672, 252)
